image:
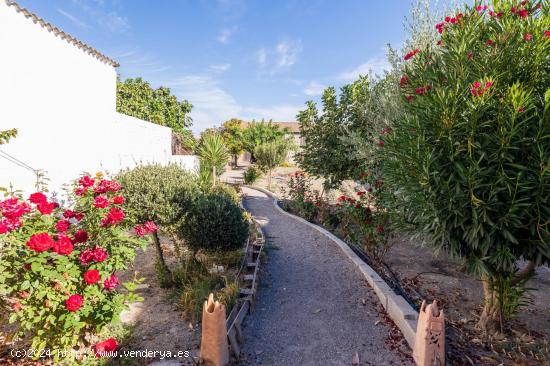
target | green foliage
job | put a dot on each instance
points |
(7, 135)
(469, 161)
(270, 155)
(136, 98)
(228, 191)
(301, 199)
(214, 222)
(162, 194)
(213, 154)
(258, 133)
(37, 282)
(252, 174)
(232, 132)
(325, 153)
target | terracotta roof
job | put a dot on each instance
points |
(293, 127)
(59, 33)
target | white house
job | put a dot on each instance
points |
(60, 94)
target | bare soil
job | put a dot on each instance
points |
(156, 323)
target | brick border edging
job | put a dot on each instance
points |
(397, 308)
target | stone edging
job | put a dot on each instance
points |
(397, 308)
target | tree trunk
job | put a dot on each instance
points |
(236, 160)
(490, 320)
(160, 256)
(213, 176)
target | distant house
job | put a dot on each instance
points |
(60, 94)
(293, 129)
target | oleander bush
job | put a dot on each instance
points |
(214, 222)
(468, 160)
(58, 266)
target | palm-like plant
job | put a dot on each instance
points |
(213, 153)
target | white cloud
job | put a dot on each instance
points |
(114, 22)
(109, 20)
(212, 105)
(287, 52)
(373, 66)
(262, 56)
(314, 89)
(220, 68)
(225, 34)
(73, 19)
(276, 113)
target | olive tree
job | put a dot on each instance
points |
(270, 155)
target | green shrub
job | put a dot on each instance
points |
(252, 174)
(228, 191)
(162, 194)
(158, 193)
(214, 222)
(469, 160)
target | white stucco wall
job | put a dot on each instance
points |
(63, 103)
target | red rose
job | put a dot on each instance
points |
(40, 242)
(12, 209)
(7, 225)
(81, 236)
(107, 186)
(114, 216)
(46, 208)
(110, 283)
(140, 230)
(380, 229)
(150, 226)
(101, 202)
(523, 13)
(63, 246)
(490, 42)
(81, 191)
(86, 181)
(68, 214)
(547, 33)
(118, 200)
(92, 276)
(38, 197)
(403, 81)
(62, 225)
(99, 254)
(105, 348)
(86, 256)
(79, 216)
(528, 37)
(74, 302)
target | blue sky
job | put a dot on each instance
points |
(236, 58)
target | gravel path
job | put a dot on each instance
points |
(313, 308)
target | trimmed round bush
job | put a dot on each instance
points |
(227, 191)
(159, 193)
(214, 222)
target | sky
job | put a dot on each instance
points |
(247, 59)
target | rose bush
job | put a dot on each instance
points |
(58, 266)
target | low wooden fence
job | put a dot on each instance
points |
(249, 279)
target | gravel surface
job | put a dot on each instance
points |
(313, 308)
